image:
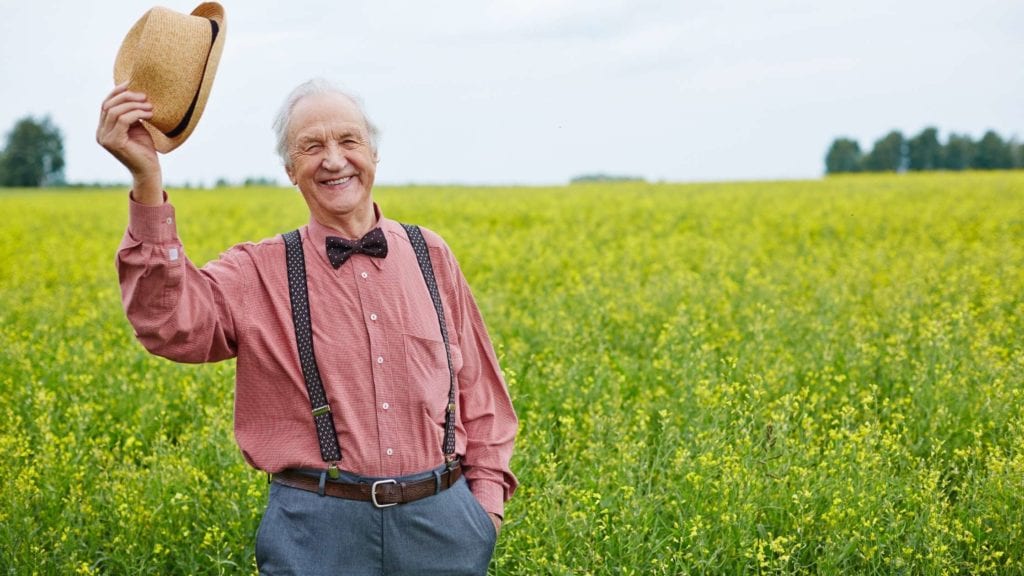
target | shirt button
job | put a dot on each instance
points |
(365, 275)
(390, 452)
(380, 359)
(169, 220)
(385, 405)
(373, 317)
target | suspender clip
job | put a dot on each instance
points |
(333, 472)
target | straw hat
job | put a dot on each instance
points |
(172, 58)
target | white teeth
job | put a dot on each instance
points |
(338, 181)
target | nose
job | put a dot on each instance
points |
(334, 158)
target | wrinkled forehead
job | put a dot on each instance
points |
(320, 115)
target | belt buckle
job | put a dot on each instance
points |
(373, 493)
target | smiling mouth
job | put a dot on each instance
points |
(338, 182)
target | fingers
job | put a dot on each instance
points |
(119, 94)
(119, 111)
(121, 134)
(116, 122)
(117, 90)
(120, 100)
(124, 114)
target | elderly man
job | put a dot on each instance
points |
(367, 386)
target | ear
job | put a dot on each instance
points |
(291, 175)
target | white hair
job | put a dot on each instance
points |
(309, 88)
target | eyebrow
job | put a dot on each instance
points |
(302, 141)
(352, 133)
(309, 139)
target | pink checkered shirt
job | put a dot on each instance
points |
(376, 337)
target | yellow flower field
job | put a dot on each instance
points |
(822, 377)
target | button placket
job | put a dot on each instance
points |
(381, 355)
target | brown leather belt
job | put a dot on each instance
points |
(382, 493)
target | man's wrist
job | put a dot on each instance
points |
(148, 189)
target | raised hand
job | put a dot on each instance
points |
(121, 134)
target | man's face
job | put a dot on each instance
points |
(331, 158)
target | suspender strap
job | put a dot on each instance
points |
(419, 245)
(325, 432)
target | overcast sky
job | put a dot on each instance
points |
(535, 92)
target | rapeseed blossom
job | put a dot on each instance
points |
(752, 378)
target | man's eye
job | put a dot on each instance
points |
(312, 148)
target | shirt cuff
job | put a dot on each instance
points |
(152, 224)
(490, 495)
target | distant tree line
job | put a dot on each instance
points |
(251, 181)
(600, 177)
(894, 153)
(33, 157)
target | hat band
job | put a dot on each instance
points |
(192, 107)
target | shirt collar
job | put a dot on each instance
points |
(317, 235)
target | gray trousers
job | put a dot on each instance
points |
(304, 533)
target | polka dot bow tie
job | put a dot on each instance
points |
(373, 244)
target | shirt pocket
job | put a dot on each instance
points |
(426, 366)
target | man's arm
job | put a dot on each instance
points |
(485, 406)
(177, 310)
